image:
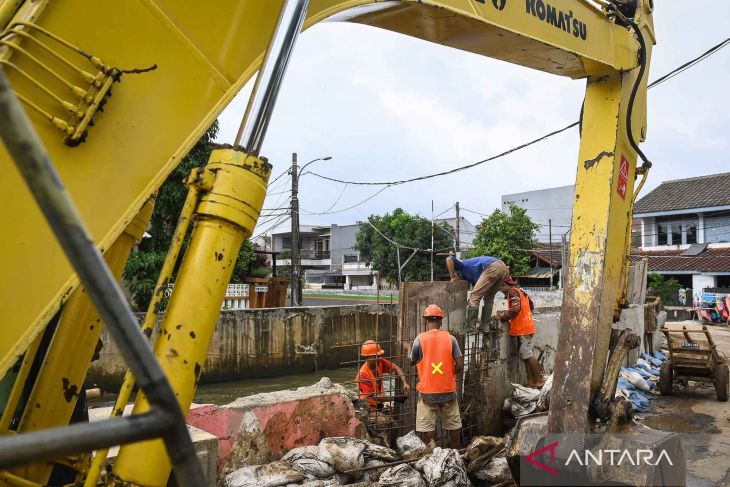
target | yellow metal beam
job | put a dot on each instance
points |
(203, 57)
(60, 380)
(226, 215)
(597, 255)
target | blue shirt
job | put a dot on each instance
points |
(471, 269)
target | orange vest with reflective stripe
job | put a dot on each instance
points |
(523, 323)
(436, 368)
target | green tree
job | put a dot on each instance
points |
(508, 236)
(143, 266)
(409, 231)
(665, 288)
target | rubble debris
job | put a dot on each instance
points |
(411, 446)
(481, 450)
(306, 459)
(495, 471)
(444, 467)
(401, 475)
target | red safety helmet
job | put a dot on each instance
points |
(370, 349)
(433, 310)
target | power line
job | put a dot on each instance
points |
(693, 62)
(331, 206)
(350, 207)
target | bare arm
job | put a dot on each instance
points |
(459, 364)
(402, 376)
(450, 267)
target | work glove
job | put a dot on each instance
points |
(400, 399)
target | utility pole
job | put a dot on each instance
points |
(564, 258)
(458, 219)
(296, 289)
(550, 239)
(432, 234)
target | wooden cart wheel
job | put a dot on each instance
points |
(721, 382)
(665, 378)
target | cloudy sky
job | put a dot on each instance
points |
(388, 107)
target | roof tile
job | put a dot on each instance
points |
(680, 194)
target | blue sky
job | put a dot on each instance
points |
(386, 107)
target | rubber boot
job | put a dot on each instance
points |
(472, 316)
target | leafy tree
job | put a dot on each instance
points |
(508, 236)
(665, 288)
(406, 230)
(143, 266)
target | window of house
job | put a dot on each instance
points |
(286, 242)
(662, 237)
(351, 259)
(676, 233)
(691, 231)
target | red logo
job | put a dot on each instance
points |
(531, 458)
(623, 177)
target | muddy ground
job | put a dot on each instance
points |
(701, 420)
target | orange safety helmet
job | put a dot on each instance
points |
(433, 310)
(370, 348)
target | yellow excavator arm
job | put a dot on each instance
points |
(119, 91)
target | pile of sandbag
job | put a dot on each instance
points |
(356, 462)
(526, 400)
(638, 383)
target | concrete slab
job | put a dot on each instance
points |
(259, 429)
(206, 444)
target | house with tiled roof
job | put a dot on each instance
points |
(685, 230)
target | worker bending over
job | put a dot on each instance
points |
(485, 274)
(370, 376)
(522, 328)
(438, 358)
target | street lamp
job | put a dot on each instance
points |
(301, 170)
(296, 268)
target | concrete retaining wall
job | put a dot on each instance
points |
(273, 342)
(508, 368)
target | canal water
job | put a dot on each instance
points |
(224, 392)
(221, 393)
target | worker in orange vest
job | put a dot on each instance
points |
(522, 328)
(370, 376)
(438, 358)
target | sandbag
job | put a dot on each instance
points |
(411, 446)
(444, 465)
(525, 394)
(401, 475)
(306, 459)
(494, 472)
(634, 379)
(273, 474)
(374, 474)
(517, 409)
(379, 452)
(342, 453)
(543, 399)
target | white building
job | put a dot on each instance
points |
(546, 207)
(328, 257)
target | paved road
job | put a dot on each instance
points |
(342, 300)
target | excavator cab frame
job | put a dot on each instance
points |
(176, 65)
